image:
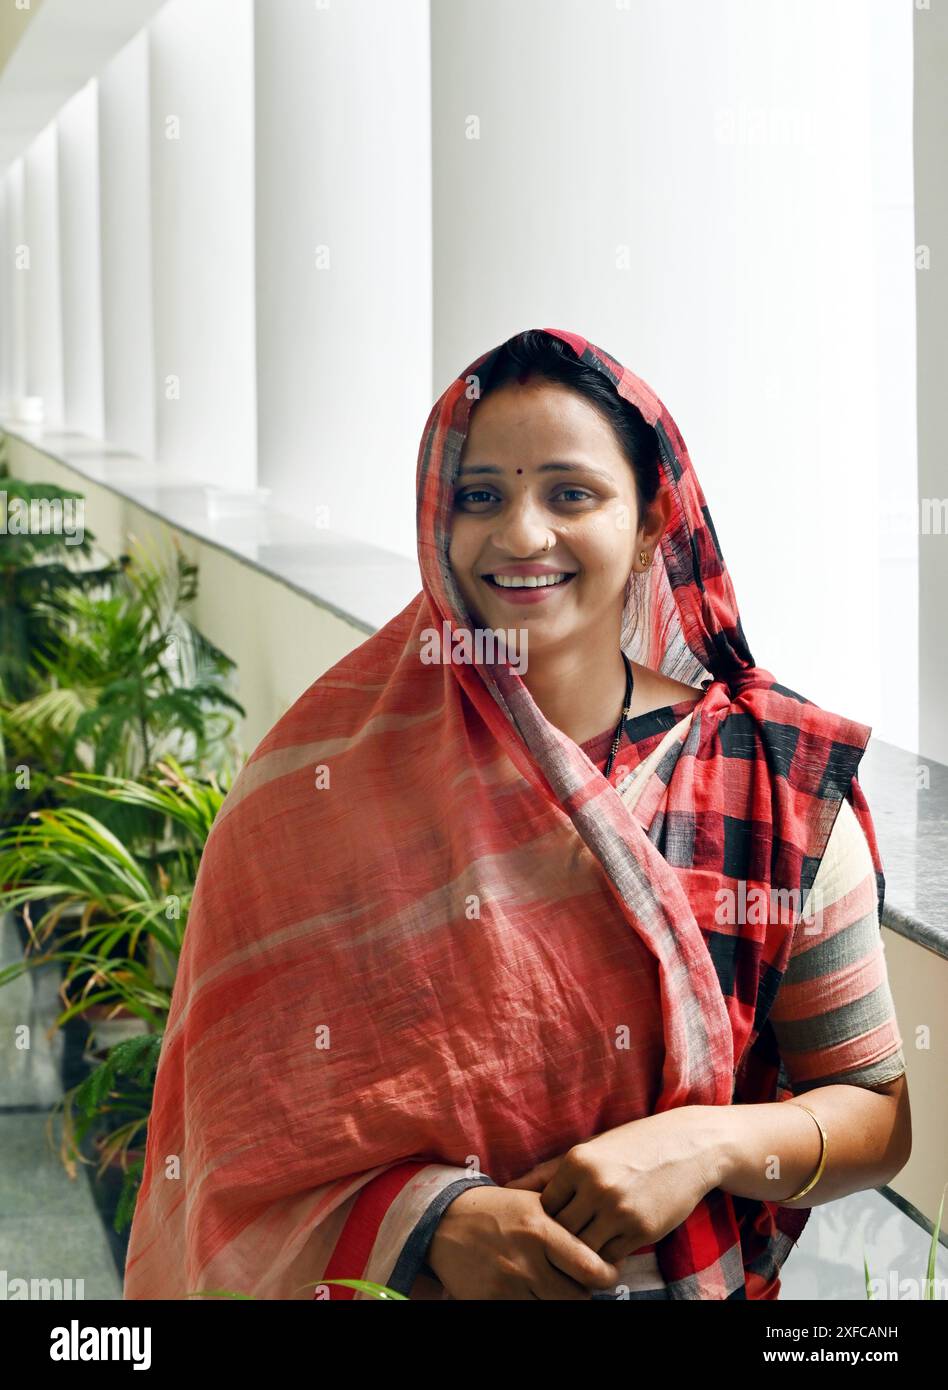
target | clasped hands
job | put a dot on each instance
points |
(629, 1186)
(593, 1205)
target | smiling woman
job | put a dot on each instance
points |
(558, 512)
(493, 1015)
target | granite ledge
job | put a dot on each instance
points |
(911, 822)
(362, 584)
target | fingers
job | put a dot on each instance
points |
(619, 1248)
(606, 1236)
(603, 1232)
(525, 1184)
(577, 1213)
(576, 1260)
(551, 1283)
(536, 1179)
(559, 1189)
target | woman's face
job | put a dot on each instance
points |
(541, 465)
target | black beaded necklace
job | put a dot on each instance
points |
(626, 710)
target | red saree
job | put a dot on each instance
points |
(417, 913)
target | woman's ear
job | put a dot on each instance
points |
(656, 518)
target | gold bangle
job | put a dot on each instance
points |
(822, 1163)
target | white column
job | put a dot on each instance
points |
(77, 126)
(12, 290)
(344, 260)
(931, 129)
(202, 194)
(895, 402)
(127, 320)
(40, 251)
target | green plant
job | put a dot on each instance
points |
(122, 680)
(132, 902)
(929, 1281)
(102, 674)
(117, 1096)
(68, 858)
(34, 567)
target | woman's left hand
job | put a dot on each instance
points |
(632, 1185)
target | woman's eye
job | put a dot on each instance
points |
(480, 494)
(472, 496)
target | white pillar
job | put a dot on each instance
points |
(44, 343)
(931, 127)
(344, 260)
(12, 290)
(78, 166)
(124, 154)
(202, 195)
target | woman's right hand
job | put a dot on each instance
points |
(499, 1243)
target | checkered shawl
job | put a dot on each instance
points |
(337, 907)
(751, 795)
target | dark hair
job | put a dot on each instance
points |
(535, 354)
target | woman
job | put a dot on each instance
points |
(503, 977)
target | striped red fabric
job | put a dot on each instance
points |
(354, 1247)
(411, 884)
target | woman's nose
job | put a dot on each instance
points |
(523, 528)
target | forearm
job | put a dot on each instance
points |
(769, 1151)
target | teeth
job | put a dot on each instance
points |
(532, 581)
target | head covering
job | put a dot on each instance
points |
(336, 888)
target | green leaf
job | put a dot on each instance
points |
(380, 1291)
(930, 1279)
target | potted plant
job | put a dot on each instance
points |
(121, 952)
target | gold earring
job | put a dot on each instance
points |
(645, 559)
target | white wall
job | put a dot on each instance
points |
(694, 187)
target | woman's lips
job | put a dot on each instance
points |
(527, 594)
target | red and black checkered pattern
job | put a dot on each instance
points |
(752, 796)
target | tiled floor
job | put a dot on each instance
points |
(50, 1227)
